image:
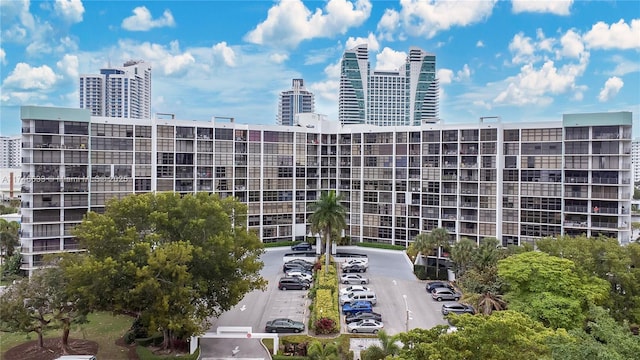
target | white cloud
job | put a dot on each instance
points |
(557, 7)
(617, 36)
(141, 20)
(479, 44)
(69, 66)
(522, 48)
(18, 31)
(624, 66)
(611, 87)
(3, 56)
(279, 58)
(170, 61)
(24, 77)
(445, 76)
(70, 10)
(572, 45)
(371, 41)
(534, 86)
(464, 74)
(389, 24)
(290, 22)
(427, 18)
(390, 59)
(225, 52)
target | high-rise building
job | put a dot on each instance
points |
(635, 159)
(123, 92)
(516, 182)
(297, 100)
(10, 151)
(406, 96)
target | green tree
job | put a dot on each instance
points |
(8, 209)
(317, 351)
(432, 243)
(173, 261)
(388, 347)
(549, 289)
(462, 255)
(499, 336)
(329, 216)
(9, 237)
(22, 312)
(608, 260)
(601, 338)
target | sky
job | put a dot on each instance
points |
(519, 60)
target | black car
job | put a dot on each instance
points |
(302, 262)
(363, 316)
(284, 325)
(357, 268)
(293, 283)
(303, 246)
(295, 266)
(438, 284)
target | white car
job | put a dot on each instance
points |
(299, 274)
(365, 326)
(353, 279)
(363, 262)
(353, 288)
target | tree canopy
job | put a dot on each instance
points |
(173, 260)
(549, 289)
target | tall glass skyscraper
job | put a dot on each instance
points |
(123, 92)
(295, 101)
(407, 96)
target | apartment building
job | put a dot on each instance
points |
(295, 101)
(10, 151)
(406, 96)
(513, 181)
(635, 159)
(123, 92)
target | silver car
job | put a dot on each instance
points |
(353, 279)
(365, 326)
(445, 294)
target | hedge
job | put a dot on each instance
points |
(380, 246)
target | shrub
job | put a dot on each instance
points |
(325, 325)
(154, 340)
(380, 246)
(420, 271)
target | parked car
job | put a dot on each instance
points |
(369, 296)
(283, 325)
(303, 246)
(363, 316)
(292, 283)
(445, 294)
(296, 266)
(301, 262)
(365, 326)
(457, 308)
(356, 307)
(353, 279)
(354, 268)
(438, 284)
(300, 274)
(363, 261)
(353, 288)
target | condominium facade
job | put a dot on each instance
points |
(297, 100)
(513, 181)
(635, 159)
(10, 151)
(407, 96)
(123, 92)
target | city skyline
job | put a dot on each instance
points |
(501, 59)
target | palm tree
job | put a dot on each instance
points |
(462, 254)
(435, 240)
(490, 302)
(328, 217)
(316, 351)
(388, 347)
(9, 237)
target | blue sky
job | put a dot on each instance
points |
(519, 60)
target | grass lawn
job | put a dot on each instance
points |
(102, 328)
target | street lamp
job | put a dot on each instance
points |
(406, 307)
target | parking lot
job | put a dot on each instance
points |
(390, 275)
